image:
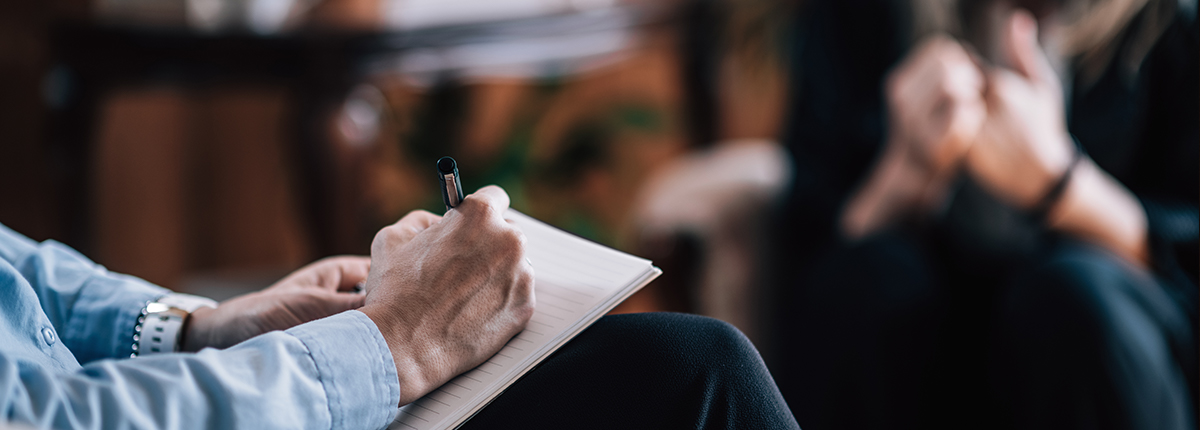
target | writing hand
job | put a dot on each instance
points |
(448, 293)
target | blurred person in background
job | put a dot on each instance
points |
(994, 215)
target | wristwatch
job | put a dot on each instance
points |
(159, 328)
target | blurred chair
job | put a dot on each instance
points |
(723, 197)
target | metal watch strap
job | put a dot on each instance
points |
(160, 325)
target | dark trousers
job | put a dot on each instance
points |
(892, 334)
(1087, 341)
(651, 371)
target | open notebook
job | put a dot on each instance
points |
(575, 283)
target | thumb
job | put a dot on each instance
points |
(1024, 53)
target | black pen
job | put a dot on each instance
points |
(451, 186)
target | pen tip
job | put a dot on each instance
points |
(446, 165)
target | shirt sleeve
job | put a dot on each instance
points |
(335, 372)
(93, 310)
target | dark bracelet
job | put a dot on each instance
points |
(1041, 210)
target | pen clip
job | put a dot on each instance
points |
(452, 187)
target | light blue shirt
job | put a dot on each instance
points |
(59, 310)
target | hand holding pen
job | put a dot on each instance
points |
(448, 292)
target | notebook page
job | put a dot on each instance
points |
(575, 283)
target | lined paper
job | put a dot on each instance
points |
(575, 283)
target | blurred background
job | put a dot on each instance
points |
(764, 153)
(211, 146)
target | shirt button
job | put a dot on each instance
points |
(48, 336)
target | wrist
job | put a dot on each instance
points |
(195, 335)
(916, 185)
(882, 196)
(409, 370)
(1058, 187)
(1060, 212)
(1096, 208)
(385, 322)
(1055, 168)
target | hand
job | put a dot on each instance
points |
(448, 293)
(315, 291)
(936, 104)
(1024, 147)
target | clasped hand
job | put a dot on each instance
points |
(1005, 126)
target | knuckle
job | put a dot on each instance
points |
(513, 241)
(381, 238)
(475, 207)
(522, 284)
(489, 189)
(525, 280)
(387, 235)
(525, 313)
(526, 301)
(419, 214)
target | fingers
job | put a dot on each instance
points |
(964, 85)
(337, 303)
(940, 69)
(964, 79)
(940, 66)
(413, 224)
(1023, 50)
(342, 273)
(420, 219)
(937, 101)
(491, 197)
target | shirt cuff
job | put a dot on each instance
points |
(104, 314)
(355, 368)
